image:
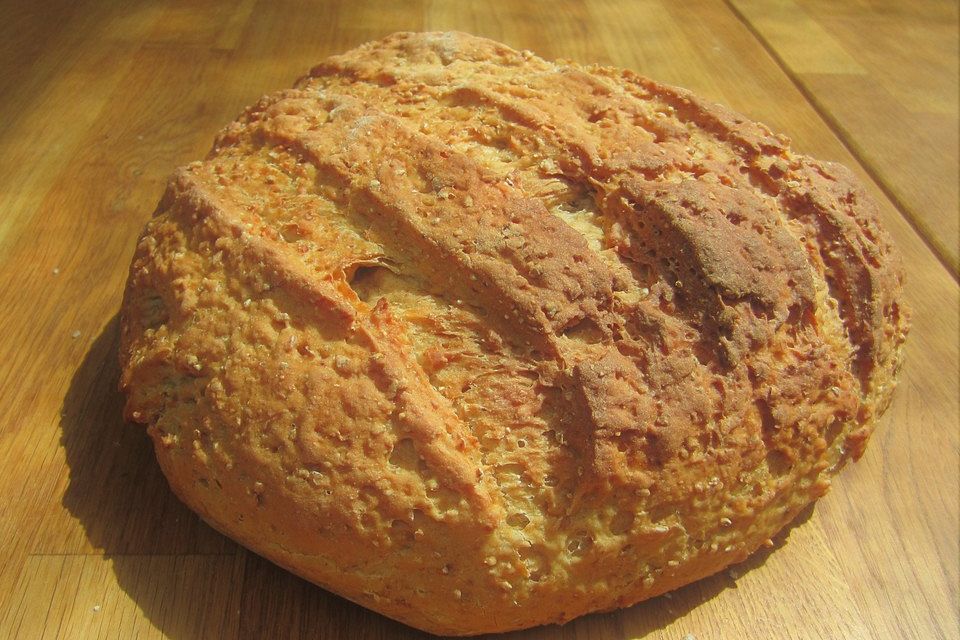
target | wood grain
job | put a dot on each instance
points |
(885, 76)
(99, 101)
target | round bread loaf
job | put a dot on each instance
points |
(482, 342)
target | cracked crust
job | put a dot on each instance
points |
(482, 342)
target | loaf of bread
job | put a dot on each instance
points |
(481, 341)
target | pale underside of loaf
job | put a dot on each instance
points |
(482, 341)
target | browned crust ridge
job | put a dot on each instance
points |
(482, 341)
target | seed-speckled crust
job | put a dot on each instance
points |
(482, 341)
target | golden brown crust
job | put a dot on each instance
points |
(482, 341)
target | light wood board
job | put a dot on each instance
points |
(884, 75)
(100, 101)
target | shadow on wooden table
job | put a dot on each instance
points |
(190, 582)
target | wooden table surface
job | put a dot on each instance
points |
(99, 101)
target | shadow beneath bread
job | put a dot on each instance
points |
(184, 578)
(191, 583)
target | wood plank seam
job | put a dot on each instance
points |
(843, 138)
